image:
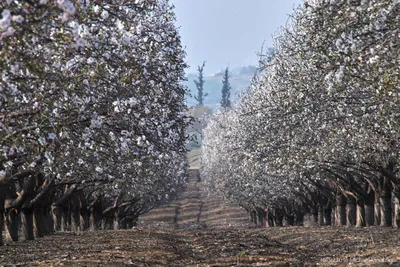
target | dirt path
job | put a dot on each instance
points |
(288, 246)
(194, 209)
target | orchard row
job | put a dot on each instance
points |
(92, 112)
(318, 130)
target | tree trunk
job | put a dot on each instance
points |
(328, 213)
(321, 215)
(48, 223)
(377, 213)
(278, 217)
(385, 201)
(253, 217)
(12, 219)
(38, 217)
(27, 224)
(360, 213)
(85, 214)
(270, 218)
(76, 219)
(298, 215)
(108, 223)
(67, 219)
(290, 219)
(96, 220)
(261, 215)
(397, 212)
(351, 211)
(341, 203)
(333, 215)
(314, 216)
(369, 215)
(58, 211)
(1, 226)
(386, 211)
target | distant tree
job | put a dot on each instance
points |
(200, 85)
(226, 90)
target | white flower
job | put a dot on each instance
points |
(52, 136)
(99, 169)
(49, 157)
(106, 55)
(104, 14)
(80, 42)
(18, 19)
(10, 32)
(42, 2)
(42, 140)
(6, 13)
(96, 9)
(90, 61)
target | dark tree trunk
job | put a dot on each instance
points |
(386, 211)
(122, 221)
(278, 217)
(1, 226)
(270, 218)
(369, 215)
(58, 212)
(333, 215)
(298, 215)
(12, 219)
(76, 219)
(27, 224)
(67, 219)
(385, 200)
(369, 206)
(290, 219)
(13, 225)
(328, 213)
(96, 211)
(3, 192)
(48, 223)
(39, 221)
(321, 215)
(314, 216)
(341, 203)
(96, 220)
(108, 223)
(351, 211)
(85, 214)
(253, 217)
(261, 216)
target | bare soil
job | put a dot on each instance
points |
(287, 246)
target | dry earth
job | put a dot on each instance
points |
(196, 230)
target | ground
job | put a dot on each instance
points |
(288, 246)
(198, 230)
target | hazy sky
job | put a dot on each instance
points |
(228, 32)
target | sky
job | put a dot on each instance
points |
(228, 32)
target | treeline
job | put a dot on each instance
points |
(318, 131)
(92, 113)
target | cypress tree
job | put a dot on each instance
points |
(200, 85)
(226, 90)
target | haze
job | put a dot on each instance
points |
(229, 32)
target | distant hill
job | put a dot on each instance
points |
(239, 79)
